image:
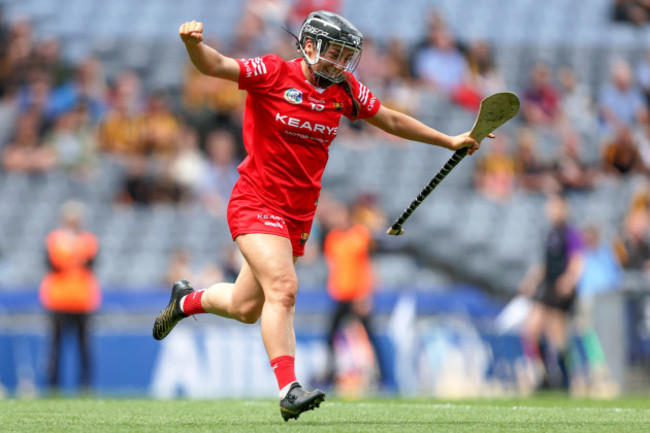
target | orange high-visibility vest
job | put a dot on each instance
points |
(71, 287)
(348, 255)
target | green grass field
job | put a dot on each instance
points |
(548, 413)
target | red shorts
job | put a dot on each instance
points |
(247, 214)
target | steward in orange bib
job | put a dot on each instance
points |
(70, 290)
(347, 248)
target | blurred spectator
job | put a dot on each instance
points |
(145, 183)
(36, 97)
(620, 101)
(602, 270)
(26, 153)
(47, 58)
(484, 74)
(70, 291)
(552, 286)
(602, 273)
(260, 26)
(137, 184)
(161, 127)
(440, 65)
(571, 172)
(73, 138)
(435, 19)
(633, 247)
(367, 212)
(620, 155)
(123, 130)
(636, 12)
(398, 89)
(534, 175)
(540, 99)
(347, 248)
(221, 173)
(195, 105)
(188, 166)
(576, 103)
(19, 49)
(87, 87)
(208, 103)
(496, 171)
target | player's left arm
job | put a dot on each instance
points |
(405, 126)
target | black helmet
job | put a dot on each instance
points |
(327, 31)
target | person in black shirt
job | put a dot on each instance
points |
(552, 288)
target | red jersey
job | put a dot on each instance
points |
(288, 127)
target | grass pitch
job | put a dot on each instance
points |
(547, 413)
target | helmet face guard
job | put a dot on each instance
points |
(337, 43)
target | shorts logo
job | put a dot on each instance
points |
(303, 238)
(293, 96)
(271, 220)
(338, 106)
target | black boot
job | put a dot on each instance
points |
(298, 401)
(172, 314)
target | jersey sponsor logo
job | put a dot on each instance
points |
(293, 96)
(362, 97)
(305, 124)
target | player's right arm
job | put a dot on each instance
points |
(206, 59)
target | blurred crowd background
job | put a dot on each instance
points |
(99, 103)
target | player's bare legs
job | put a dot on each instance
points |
(266, 287)
(271, 261)
(242, 301)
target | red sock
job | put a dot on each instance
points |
(192, 303)
(283, 368)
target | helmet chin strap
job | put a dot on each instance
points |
(319, 80)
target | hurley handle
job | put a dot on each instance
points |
(396, 228)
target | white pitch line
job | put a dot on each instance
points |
(470, 407)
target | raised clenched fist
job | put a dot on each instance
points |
(191, 32)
